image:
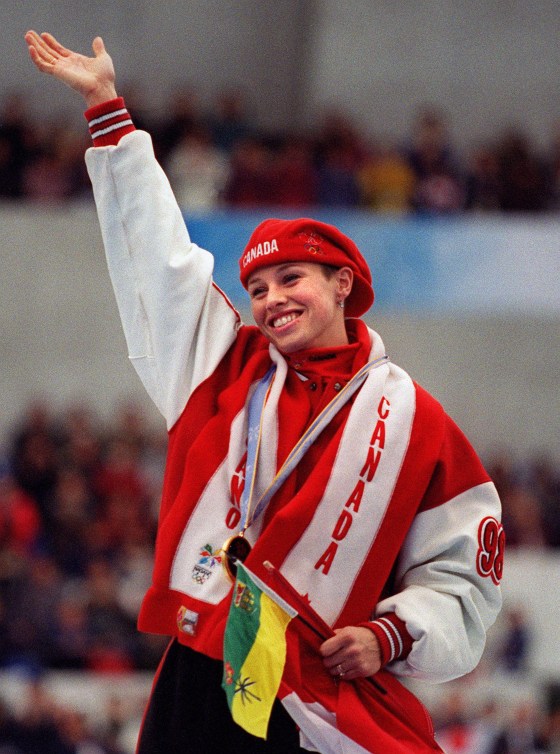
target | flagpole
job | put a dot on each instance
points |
(322, 633)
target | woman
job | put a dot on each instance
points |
(295, 442)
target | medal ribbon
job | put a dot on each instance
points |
(254, 434)
(256, 409)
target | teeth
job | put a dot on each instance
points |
(284, 320)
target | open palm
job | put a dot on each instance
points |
(92, 77)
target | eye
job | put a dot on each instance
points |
(257, 291)
(291, 277)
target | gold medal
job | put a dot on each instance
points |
(234, 548)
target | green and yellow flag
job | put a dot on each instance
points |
(254, 651)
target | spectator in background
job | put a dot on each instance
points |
(516, 641)
(523, 521)
(503, 472)
(54, 173)
(71, 640)
(439, 193)
(463, 730)
(229, 122)
(339, 152)
(521, 734)
(75, 736)
(111, 631)
(387, 181)
(80, 441)
(32, 603)
(72, 513)
(293, 175)
(138, 105)
(112, 729)
(10, 178)
(20, 521)
(33, 456)
(544, 479)
(522, 175)
(551, 729)
(439, 186)
(7, 650)
(149, 448)
(430, 144)
(16, 143)
(483, 180)
(68, 147)
(124, 513)
(45, 179)
(183, 114)
(36, 729)
(118, 472)
(250, 179)
(337, 182)
(336, 130)
(197, 170)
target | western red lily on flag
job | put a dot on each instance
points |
(366, 716)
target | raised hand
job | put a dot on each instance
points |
(92, 77)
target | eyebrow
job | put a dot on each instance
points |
(279, 268)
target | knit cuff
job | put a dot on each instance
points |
(394, 640)
(109, 122)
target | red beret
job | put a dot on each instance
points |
(304, 240)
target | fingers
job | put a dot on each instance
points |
(97, 46)
(54, 45)
(352, 653)
(45, 51)
(39, 42)
(40, 52)
(336, 655)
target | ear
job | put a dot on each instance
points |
(344, 280)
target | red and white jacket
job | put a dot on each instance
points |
(390, 516)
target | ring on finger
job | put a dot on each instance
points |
(340, 670)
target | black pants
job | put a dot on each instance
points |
(188, 713)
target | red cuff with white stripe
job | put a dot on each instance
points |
(394, 640)
(109, 122)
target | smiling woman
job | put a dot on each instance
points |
(299, 437)
(299, 306)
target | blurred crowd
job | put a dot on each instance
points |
(529, 726)
(78, 508)
(217, 157)
(44, 725)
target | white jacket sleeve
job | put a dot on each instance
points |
(447, 585)
(177, 323)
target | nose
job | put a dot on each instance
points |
(276, 296)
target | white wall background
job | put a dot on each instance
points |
(488, 63)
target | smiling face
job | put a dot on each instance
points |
(295, 305)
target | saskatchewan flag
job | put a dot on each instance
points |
(254, 650)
